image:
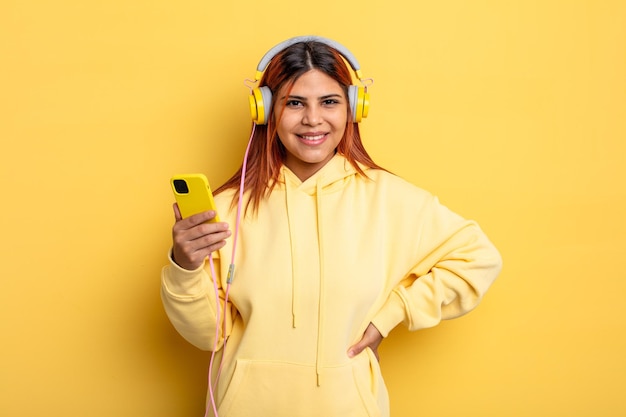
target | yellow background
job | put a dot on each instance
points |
(513, 112)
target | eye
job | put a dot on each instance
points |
(331, 100)
(293, 103)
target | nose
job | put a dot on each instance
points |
(312, 116)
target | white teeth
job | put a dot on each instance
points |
(316, 137)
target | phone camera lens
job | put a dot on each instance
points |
(181, 186)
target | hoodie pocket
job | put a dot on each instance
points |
(369, 380)
(280, 389)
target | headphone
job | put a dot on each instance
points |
(261, 97)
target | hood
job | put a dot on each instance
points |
(330, 177)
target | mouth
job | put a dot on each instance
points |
(313, 137)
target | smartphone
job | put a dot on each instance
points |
(193, 194)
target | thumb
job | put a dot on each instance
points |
(371, 338)
(177, 214)
(357, 348)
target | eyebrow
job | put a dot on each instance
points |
(300, 98)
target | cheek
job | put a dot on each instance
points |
(344, 117)
(284, 126)
(340, 123)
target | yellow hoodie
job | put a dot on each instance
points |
(321, 260)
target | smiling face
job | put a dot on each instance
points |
(312, 120)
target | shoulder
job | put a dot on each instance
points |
(395, 185)
(224, 200)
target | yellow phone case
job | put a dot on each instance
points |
(193, 194)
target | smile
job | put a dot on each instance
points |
(312, 138)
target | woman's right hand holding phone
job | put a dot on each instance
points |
(194, 238)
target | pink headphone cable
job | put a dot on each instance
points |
(229, 280)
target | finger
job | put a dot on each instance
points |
(371, 338)
(199, 218)
(197, 225)
(210, 239)
(190, 255)
(201, 235)
(177, 214)
(356, 348)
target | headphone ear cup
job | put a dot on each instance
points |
(364, 100)
(359, 102)
(352, 99)
(260, 104)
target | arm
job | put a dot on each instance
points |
(187, 289)
(456, 264)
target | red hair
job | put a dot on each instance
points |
(267, 153)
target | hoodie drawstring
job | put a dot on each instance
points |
(320, 310)
(294, 288)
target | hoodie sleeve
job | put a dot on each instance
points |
(455, 265)
(190, 301)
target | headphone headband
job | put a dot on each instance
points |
(269, 55)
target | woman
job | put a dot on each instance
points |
(332, 254)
